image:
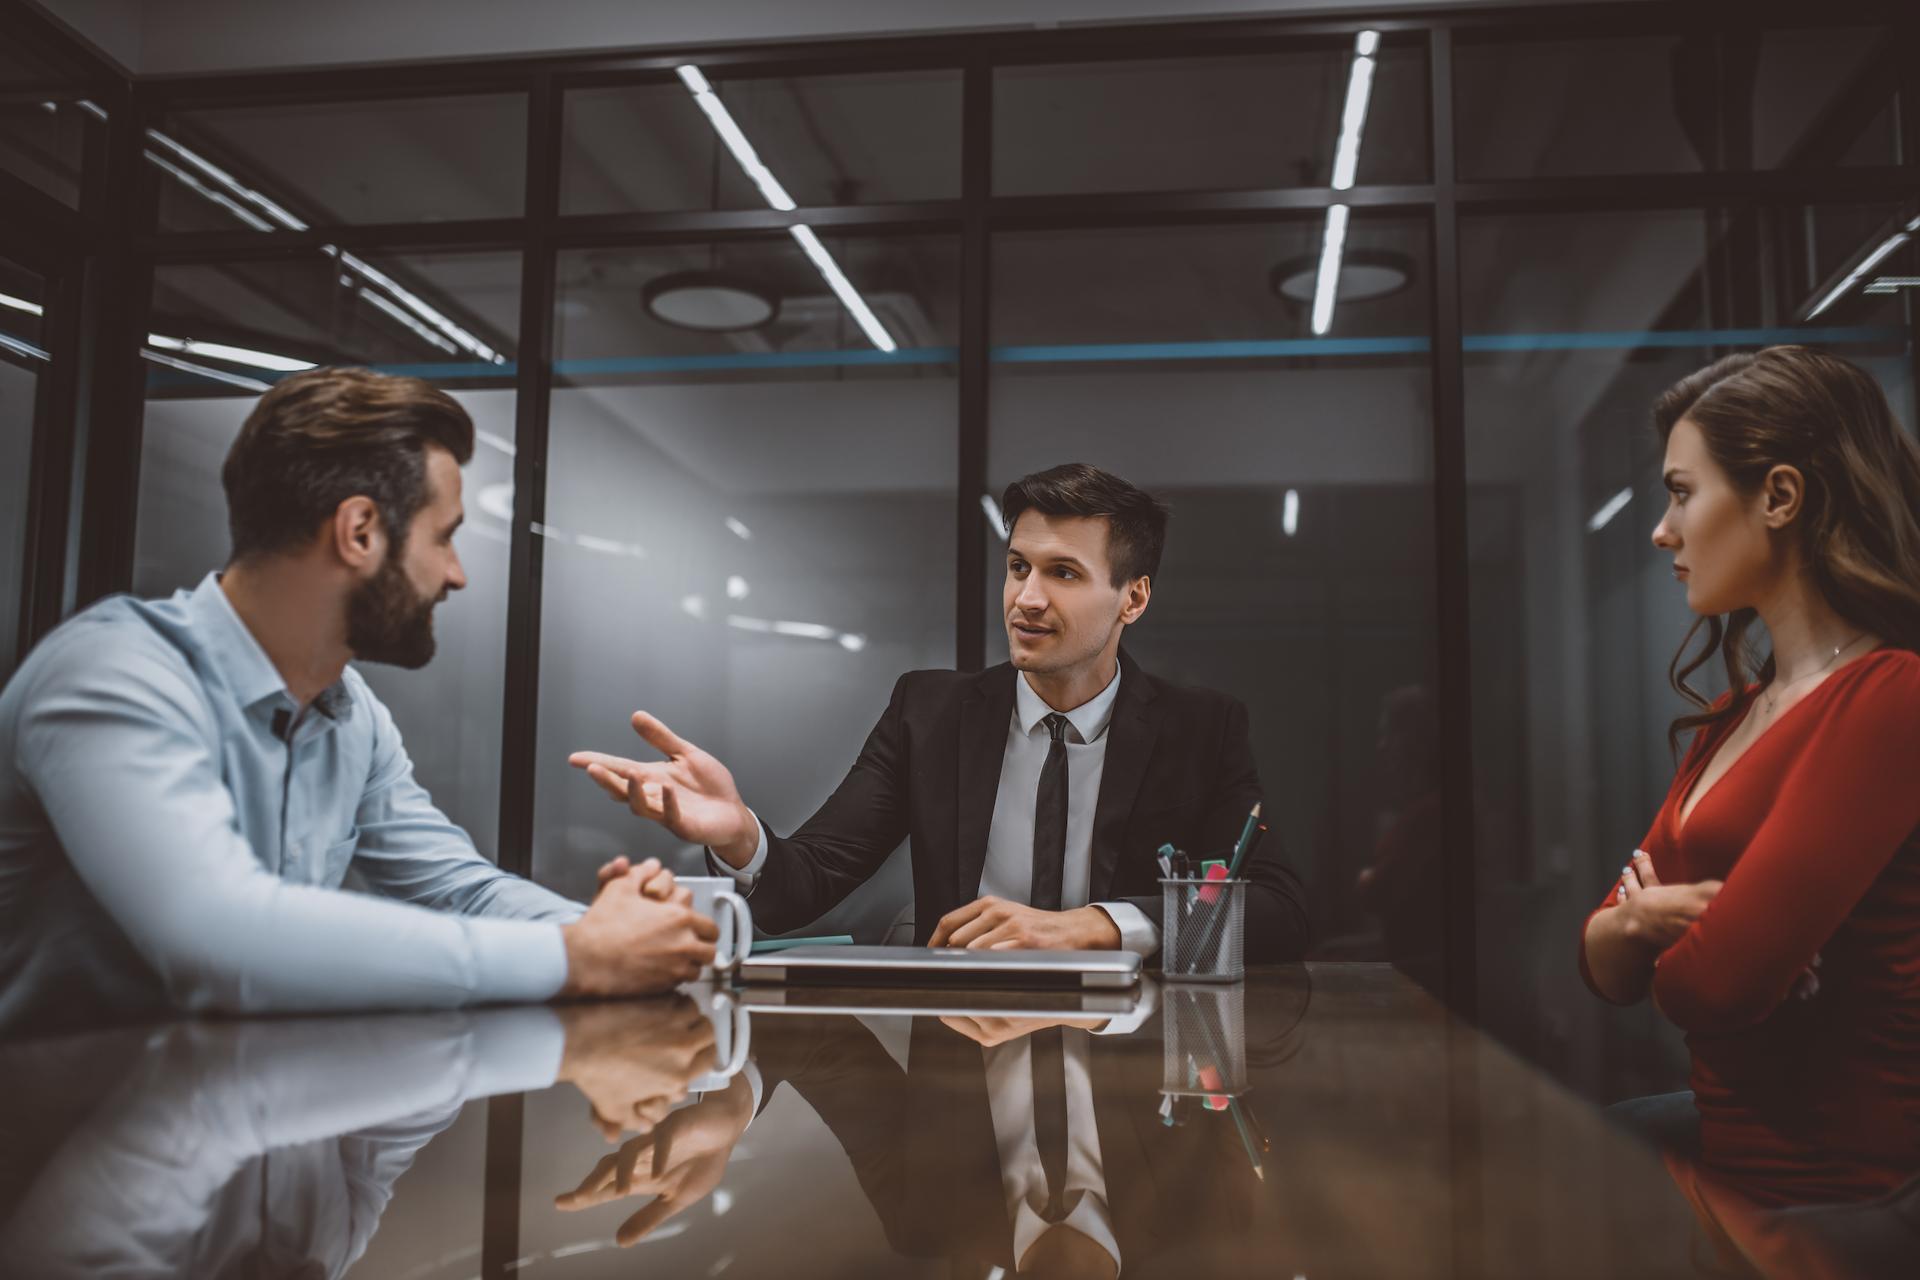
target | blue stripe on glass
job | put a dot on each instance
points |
(1127, 352)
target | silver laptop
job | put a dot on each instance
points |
(972, 1002)
(944, 967)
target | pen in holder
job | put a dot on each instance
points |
(1203, 930)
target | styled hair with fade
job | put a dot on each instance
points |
(325, 435)
(1136, 520)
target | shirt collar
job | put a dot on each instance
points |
(1090, 719)
(245, 666)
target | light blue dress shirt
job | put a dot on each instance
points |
(175, 831)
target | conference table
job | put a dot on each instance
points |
(1318, 1120)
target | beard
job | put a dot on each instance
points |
(387, 621)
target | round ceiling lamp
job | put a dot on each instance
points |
(709, 302)
(1365, 274)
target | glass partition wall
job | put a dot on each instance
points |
(754, 337)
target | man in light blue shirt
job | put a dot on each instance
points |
(185, 783)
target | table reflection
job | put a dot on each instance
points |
(1325, 1121)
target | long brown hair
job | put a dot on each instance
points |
(1860, 524)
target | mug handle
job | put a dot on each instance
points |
(742, 1033)
(742, 931)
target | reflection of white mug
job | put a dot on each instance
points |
(732, 1035)
(714, 896)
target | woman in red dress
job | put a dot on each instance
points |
(1773, 911)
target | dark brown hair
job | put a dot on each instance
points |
(1136, 520)
(1860, 523)
(326, 435)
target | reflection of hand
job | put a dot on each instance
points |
(998, 924)
(634, 1061)
(679, 1163)
(988, 1032)
(689, 793)
(640, 936)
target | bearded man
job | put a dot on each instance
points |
(185, 783)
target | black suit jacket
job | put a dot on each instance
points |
(922, 1143)
(1179, 769)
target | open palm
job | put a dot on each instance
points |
(689, 793)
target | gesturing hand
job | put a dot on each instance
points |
(1658, 914)
(998, 923)
(689, 793)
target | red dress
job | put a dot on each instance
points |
(1816, 833)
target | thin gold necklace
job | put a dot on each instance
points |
(1773, 697)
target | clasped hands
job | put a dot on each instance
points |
(694, 796)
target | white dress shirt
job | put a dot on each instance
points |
(1008, 872)
(1022, 1175)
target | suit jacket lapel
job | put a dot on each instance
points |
(1130, 740)
(985, 712)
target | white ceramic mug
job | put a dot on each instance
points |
(715, 896)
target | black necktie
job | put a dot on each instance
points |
(1050, 820)
(1050, 1114)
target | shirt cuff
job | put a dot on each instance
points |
(516, 961)
(1137, 933)
(748, 876)
(516, 1051)
(1146, 1001)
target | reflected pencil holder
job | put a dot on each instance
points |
(1203, 930)
(1204, 1034)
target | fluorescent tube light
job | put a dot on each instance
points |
(1854, 276)
(1290, 513)
(416, 305)
(20, 346)
(1353, 120)
(777, 198)
(805, 630)
(760, 625)
(1609, 509)
(217, 375)
(222, 178)
(21, 304)
(493, 441)
(200, 188)
(994, 516)
(852, 642)
(743, 153)
(739, 530)
(380, 302)
(1346, 161)
(842, 288)
(1326, 286)
(236, 355)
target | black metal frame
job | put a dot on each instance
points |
(86, 469)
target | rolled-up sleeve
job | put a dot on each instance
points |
(122, 753)
(410, 851)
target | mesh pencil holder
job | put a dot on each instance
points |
(1203, 930)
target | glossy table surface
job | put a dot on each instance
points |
(1320, 1120)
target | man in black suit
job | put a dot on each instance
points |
(1036, 793)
